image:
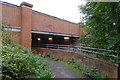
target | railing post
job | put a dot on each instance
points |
(58, 47)
(117, 57)
(47, 46)
(68, 48)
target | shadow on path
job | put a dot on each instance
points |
(61, 71)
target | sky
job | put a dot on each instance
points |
(64, 9)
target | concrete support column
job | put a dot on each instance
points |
(26, 15)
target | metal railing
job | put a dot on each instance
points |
(83, 49)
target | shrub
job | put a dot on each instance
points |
(55, 58)
(7, 37)
(20, 62)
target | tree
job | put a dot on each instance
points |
(101, 24)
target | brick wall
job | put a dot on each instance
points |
(26, 26)
(12, 16)
(111, 70)
(16, 36)
(28, 19)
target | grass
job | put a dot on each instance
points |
(91, 72)
(76, 70)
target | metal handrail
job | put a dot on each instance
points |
(73, 48)
(100, 49)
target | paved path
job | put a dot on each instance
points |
(61, 71)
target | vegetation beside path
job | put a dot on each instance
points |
(90, 72)
(20, 62)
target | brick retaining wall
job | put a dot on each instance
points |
(109, 69)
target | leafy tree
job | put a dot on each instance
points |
(101, 24)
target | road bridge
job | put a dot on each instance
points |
(32, 27)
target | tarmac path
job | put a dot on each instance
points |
(61, 71)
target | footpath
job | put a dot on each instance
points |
(61, 71)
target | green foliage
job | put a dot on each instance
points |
(20, 62)
(101, 24)
(91, 72)
(45, 55)
(55, 58)
(7, 37)
(114, 60)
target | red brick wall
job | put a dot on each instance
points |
(12, 16)
(0, 12)
(26, 19)
(26, 27)
(16, 36)
(42, 23)
(46, 23)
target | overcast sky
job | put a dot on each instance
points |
(65, 9)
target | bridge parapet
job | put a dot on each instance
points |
(12, 16)
(29, 20)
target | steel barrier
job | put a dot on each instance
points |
(83, 49)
